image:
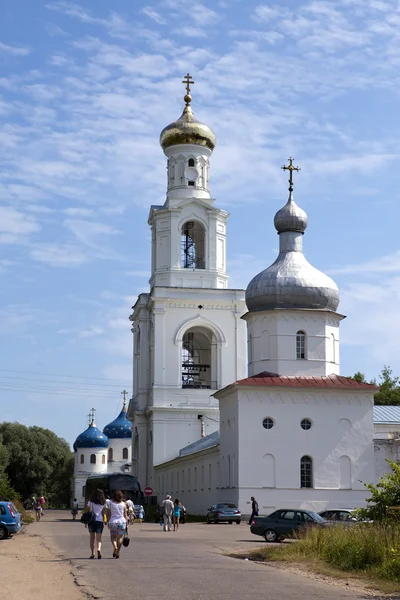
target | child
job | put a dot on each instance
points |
(177, 514)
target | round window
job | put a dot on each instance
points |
(306, 424)
(268, 423)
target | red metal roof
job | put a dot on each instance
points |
(334, 382)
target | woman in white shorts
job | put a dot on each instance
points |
(117, 521)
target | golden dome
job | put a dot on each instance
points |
(187, 130)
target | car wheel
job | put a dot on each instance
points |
(270, 535)
(216, 521)
(237, 522)
(230, 522)
(3, 533)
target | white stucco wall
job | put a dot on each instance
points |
(271, 339)
(193, 479)
(118, 462)
(83, 471)
(269, 466)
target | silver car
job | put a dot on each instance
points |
(224, 512)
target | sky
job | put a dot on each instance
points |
(86, 88)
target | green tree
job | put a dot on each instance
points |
(360, 377)
(389, 386)
(39, 462)
(385, 495)
(6, 491)
(389, 392)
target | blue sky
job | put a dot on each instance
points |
(85, 90)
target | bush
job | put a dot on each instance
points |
(385, 495)
(6, 491)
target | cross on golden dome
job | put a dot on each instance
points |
(290, 168)
(188, 81)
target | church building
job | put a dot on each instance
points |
(238, 393)
(101, 452)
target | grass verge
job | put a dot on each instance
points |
(370, 552)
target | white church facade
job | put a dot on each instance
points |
(238, 393)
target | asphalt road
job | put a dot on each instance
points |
(184, 565)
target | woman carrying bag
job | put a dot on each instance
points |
(117, 521)
(96, 506)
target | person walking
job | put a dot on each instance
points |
(74, 510)
(141, 514)
(38, 510)
(177, 514)
(130, 507)
(96, 505)
(167, 509)
(117, 521)
(254, 509)
(42, 501)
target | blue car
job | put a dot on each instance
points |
(10, 519)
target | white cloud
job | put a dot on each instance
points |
(91, 332)
(92, 234)
(78, 212)
(153, 14)
(58, 255)
(197, 12)
(14, 50)
(382, 264)
(191, 32)
(270, 12)
(114, 24)
(15, 226)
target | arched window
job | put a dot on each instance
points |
(306, 474)
(199, 358)
(124, 453)
(333, 348)
(82, 459)
(92, 459)
(110, 454)
(344, 473)
(191, 162)
(300, 345)
(193, 246)
(103, 459)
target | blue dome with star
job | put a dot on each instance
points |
(119, 428)
(91, 438)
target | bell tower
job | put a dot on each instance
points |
(189, 338)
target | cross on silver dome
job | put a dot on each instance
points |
(291, 281)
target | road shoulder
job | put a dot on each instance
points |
(30, 568)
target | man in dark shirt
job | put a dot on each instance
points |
(254, 509)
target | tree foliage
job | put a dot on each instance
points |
(39, 462)
(6, 491)
(389, 386)
(389, 392)
(385, 495)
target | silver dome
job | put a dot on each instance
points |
(291, 282)
(291, 217)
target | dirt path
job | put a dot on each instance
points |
(27, 570)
